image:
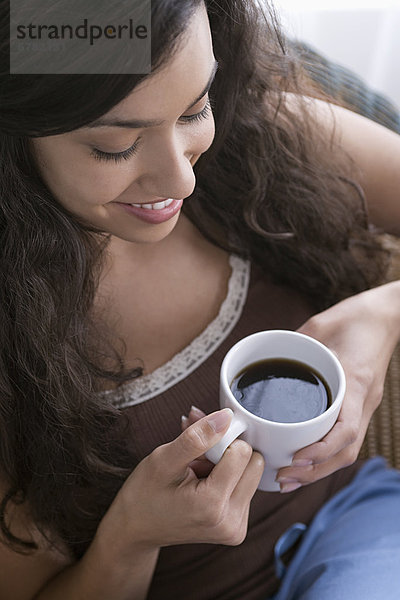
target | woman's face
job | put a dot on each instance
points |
(98, 172)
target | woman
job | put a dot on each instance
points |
(118, 305)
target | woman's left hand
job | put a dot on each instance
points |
(363, 331)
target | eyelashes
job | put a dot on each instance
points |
(116, 156)
(203, 114)
(129, 152)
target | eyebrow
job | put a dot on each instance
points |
(138, 124)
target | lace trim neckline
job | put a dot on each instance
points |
(192, 356)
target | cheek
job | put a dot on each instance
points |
(200, 140)
(209, 134)
(94, 184)
(80, 182)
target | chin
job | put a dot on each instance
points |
(147, 234)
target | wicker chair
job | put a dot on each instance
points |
(347, 89)
(383, 436)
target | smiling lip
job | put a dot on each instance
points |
(149, 213)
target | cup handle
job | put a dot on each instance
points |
(236, 427)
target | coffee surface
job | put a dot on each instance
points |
(282, 390)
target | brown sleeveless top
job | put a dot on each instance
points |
(154, 407)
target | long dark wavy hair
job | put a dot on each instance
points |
(270, 188)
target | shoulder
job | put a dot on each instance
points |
(374, 151)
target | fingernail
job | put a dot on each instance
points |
(196, 412)
(219, 420)
(286, 480)
(184, 420)
(289, 487)
(301, 462)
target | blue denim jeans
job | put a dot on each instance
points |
(351, 549)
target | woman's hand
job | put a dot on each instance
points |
(164, 502)
(363, 332)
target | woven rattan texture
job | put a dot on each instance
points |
(345, 87)
(383, 436)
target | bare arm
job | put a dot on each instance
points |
(364, 329)
(101, 576)
(376, 154)
(95, 577)
(162, 503)
(52, 574)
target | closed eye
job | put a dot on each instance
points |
(129, 152)
(116, 156)
(203, 114)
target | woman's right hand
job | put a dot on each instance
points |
(163, 502)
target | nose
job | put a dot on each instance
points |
(168, 170)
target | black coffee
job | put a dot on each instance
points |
(282, 390)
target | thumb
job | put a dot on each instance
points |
(197, 439)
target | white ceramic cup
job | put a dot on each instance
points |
(277, 442)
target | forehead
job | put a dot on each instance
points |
(178, 82)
